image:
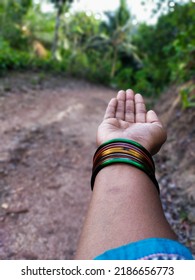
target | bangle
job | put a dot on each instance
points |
(125, 151)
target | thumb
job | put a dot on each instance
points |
(151, 117)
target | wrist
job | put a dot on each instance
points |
(118, 178)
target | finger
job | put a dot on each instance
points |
(140, 109)
(130, 106)
(120, 111)
(111, 109)
(151, 117)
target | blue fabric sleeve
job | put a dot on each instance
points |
(149, 249)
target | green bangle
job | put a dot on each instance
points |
(126, 161)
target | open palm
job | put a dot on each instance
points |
(126, 117)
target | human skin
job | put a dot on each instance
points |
(125, 205)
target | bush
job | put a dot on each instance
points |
(167, 49)
(188, 96)
(11, 59)
(123, 79)
(142, 83)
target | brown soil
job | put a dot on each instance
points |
(48, 127)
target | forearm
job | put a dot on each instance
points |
(125, 205)
(124, 197)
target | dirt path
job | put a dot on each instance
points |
(47, 128)
(47, 141)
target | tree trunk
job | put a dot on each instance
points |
(57, 28)
(114, 63)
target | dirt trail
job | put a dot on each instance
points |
(47, 128)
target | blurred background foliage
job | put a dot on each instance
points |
(112, 51)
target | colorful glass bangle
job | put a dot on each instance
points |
(124, 140)
(131, 153)
(125, 144)
(125, 151)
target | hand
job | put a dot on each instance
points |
(126, 117)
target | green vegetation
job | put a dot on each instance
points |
(188, 96)
(111, 51)
(168, 48)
